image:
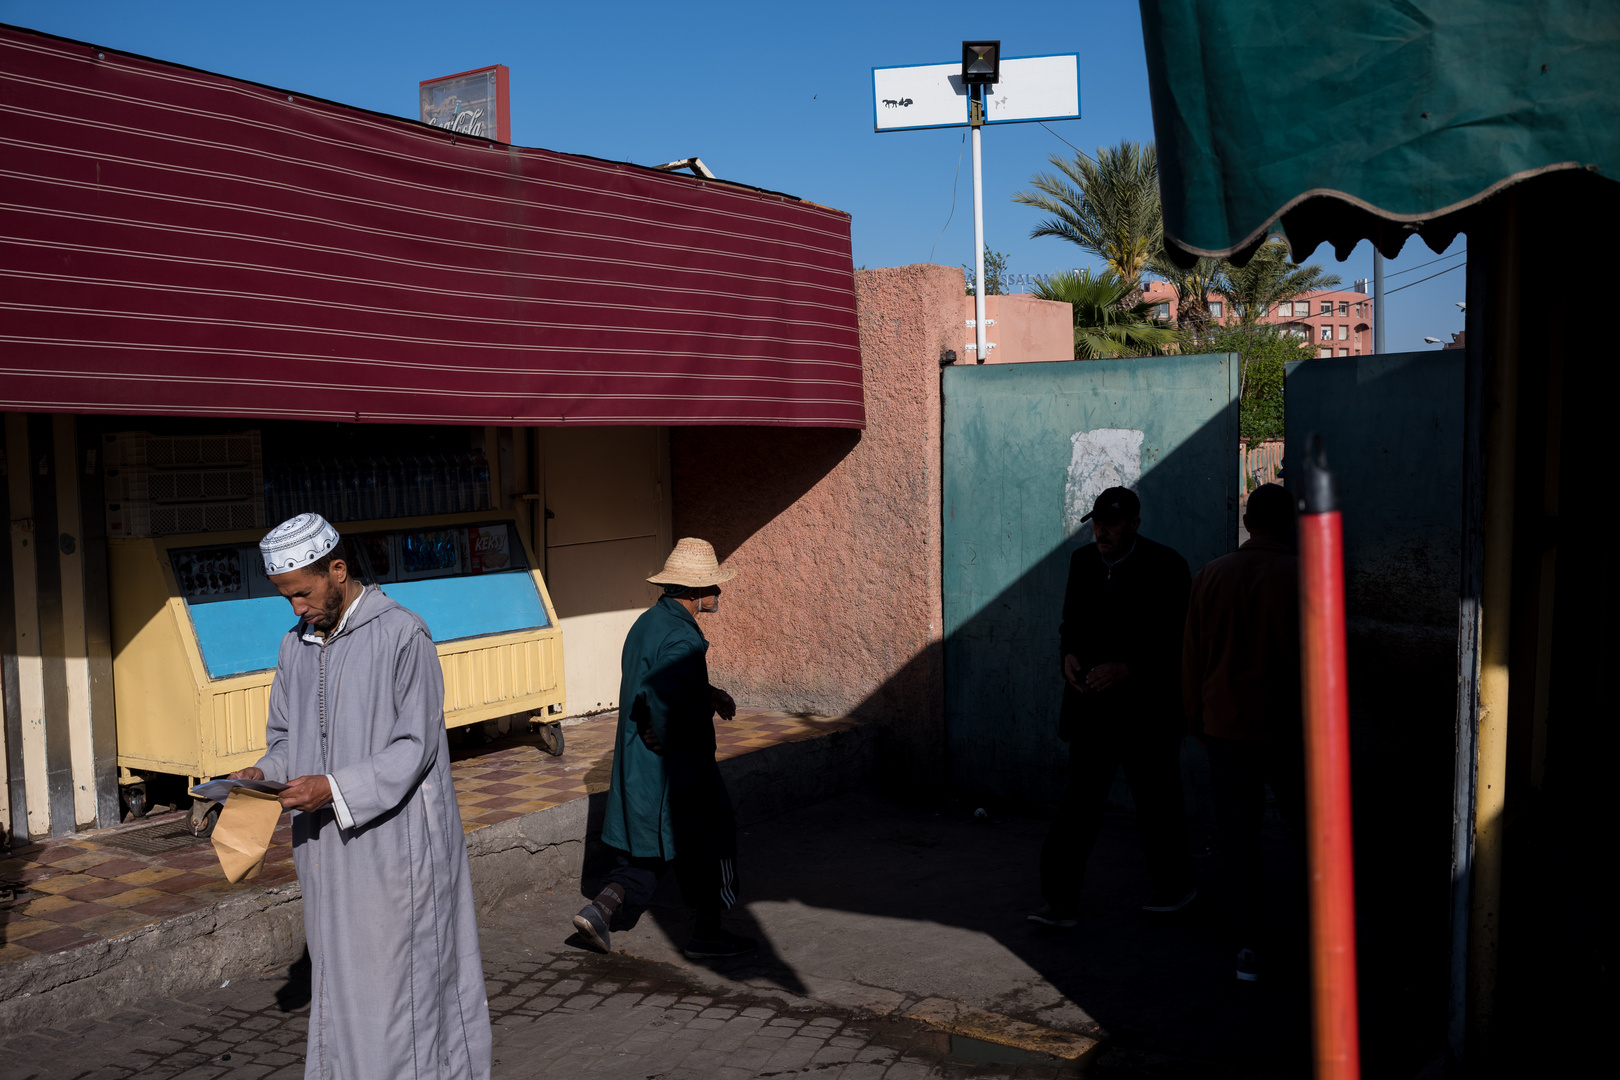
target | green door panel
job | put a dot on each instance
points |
(1026, 448)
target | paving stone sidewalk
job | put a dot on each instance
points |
(558, 1014)
(78, 890)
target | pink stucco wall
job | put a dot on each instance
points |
(836, 534)
(1026, 329)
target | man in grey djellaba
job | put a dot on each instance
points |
(357, 732)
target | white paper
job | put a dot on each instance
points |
(1100, 459)
(219, 790)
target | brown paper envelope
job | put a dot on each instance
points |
(242, 833)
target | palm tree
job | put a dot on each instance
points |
(1106, 323)
(1268, 279)
(1193, 287)
(1108, 205)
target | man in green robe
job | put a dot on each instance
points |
(667, 806)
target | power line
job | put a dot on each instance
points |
(1431, 277)
(1066, 142)
(952, 214)
(1431, 262)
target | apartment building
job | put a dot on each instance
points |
(1338, 322)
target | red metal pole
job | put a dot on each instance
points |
(1327, 772)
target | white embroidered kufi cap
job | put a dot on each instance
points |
(297, 542)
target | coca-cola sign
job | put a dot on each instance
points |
(471, 103)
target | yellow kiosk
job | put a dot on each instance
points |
(196, 626)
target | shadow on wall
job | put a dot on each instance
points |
(835, 534)
(999, 669)
(1013, 464)
(770, 470)
(1028, 448)
(823, 577)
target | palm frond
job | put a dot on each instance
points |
(1107, 205)
(1106, 323)
(1268, 279)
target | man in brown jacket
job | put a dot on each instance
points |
(1240, 687)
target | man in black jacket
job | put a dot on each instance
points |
(1123, 614)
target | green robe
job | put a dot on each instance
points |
(665, 687)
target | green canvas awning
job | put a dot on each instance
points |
(1373, 120)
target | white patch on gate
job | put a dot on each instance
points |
(1105, 458)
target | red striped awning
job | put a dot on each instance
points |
(176, 242)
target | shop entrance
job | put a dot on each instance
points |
(607, 518)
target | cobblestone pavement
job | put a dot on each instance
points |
(563, 1014)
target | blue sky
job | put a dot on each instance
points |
(770, 94)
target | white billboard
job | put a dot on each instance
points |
(1035, 88)
(906, 98)
(932, 95)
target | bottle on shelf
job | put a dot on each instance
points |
(369, 490)
(464, 481)
(480, 481)
(452, 485)
(321, 473)
(352, 490)
(422, 469)
(281, 480)
(336, 490)
(437, 491)
(303, 489)
(270, 518)
(396, 486)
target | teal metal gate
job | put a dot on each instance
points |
(1027, 447)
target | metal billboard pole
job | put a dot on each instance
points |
(1378, 301)
(981, 349)
(1027, 89)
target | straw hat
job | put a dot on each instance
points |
(692, 564)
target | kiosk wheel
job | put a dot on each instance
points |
(551, 738)
(203, 817)
(135, 803)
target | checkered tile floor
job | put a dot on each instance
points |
(77, 890)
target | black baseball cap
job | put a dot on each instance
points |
(1115, 504)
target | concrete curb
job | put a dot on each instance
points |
(250, 931)
(992, 1027)
(255, 931)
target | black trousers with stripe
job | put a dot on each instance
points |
(1153, 769)
(705, 832)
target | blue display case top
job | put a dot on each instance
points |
(464, 580)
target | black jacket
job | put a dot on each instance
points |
(1133, 612)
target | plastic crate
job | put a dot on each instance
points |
(156, 485)
(133, 449)
(138, 519)
(139, 484)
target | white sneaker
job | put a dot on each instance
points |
(1171, 903)
(1051, 916)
